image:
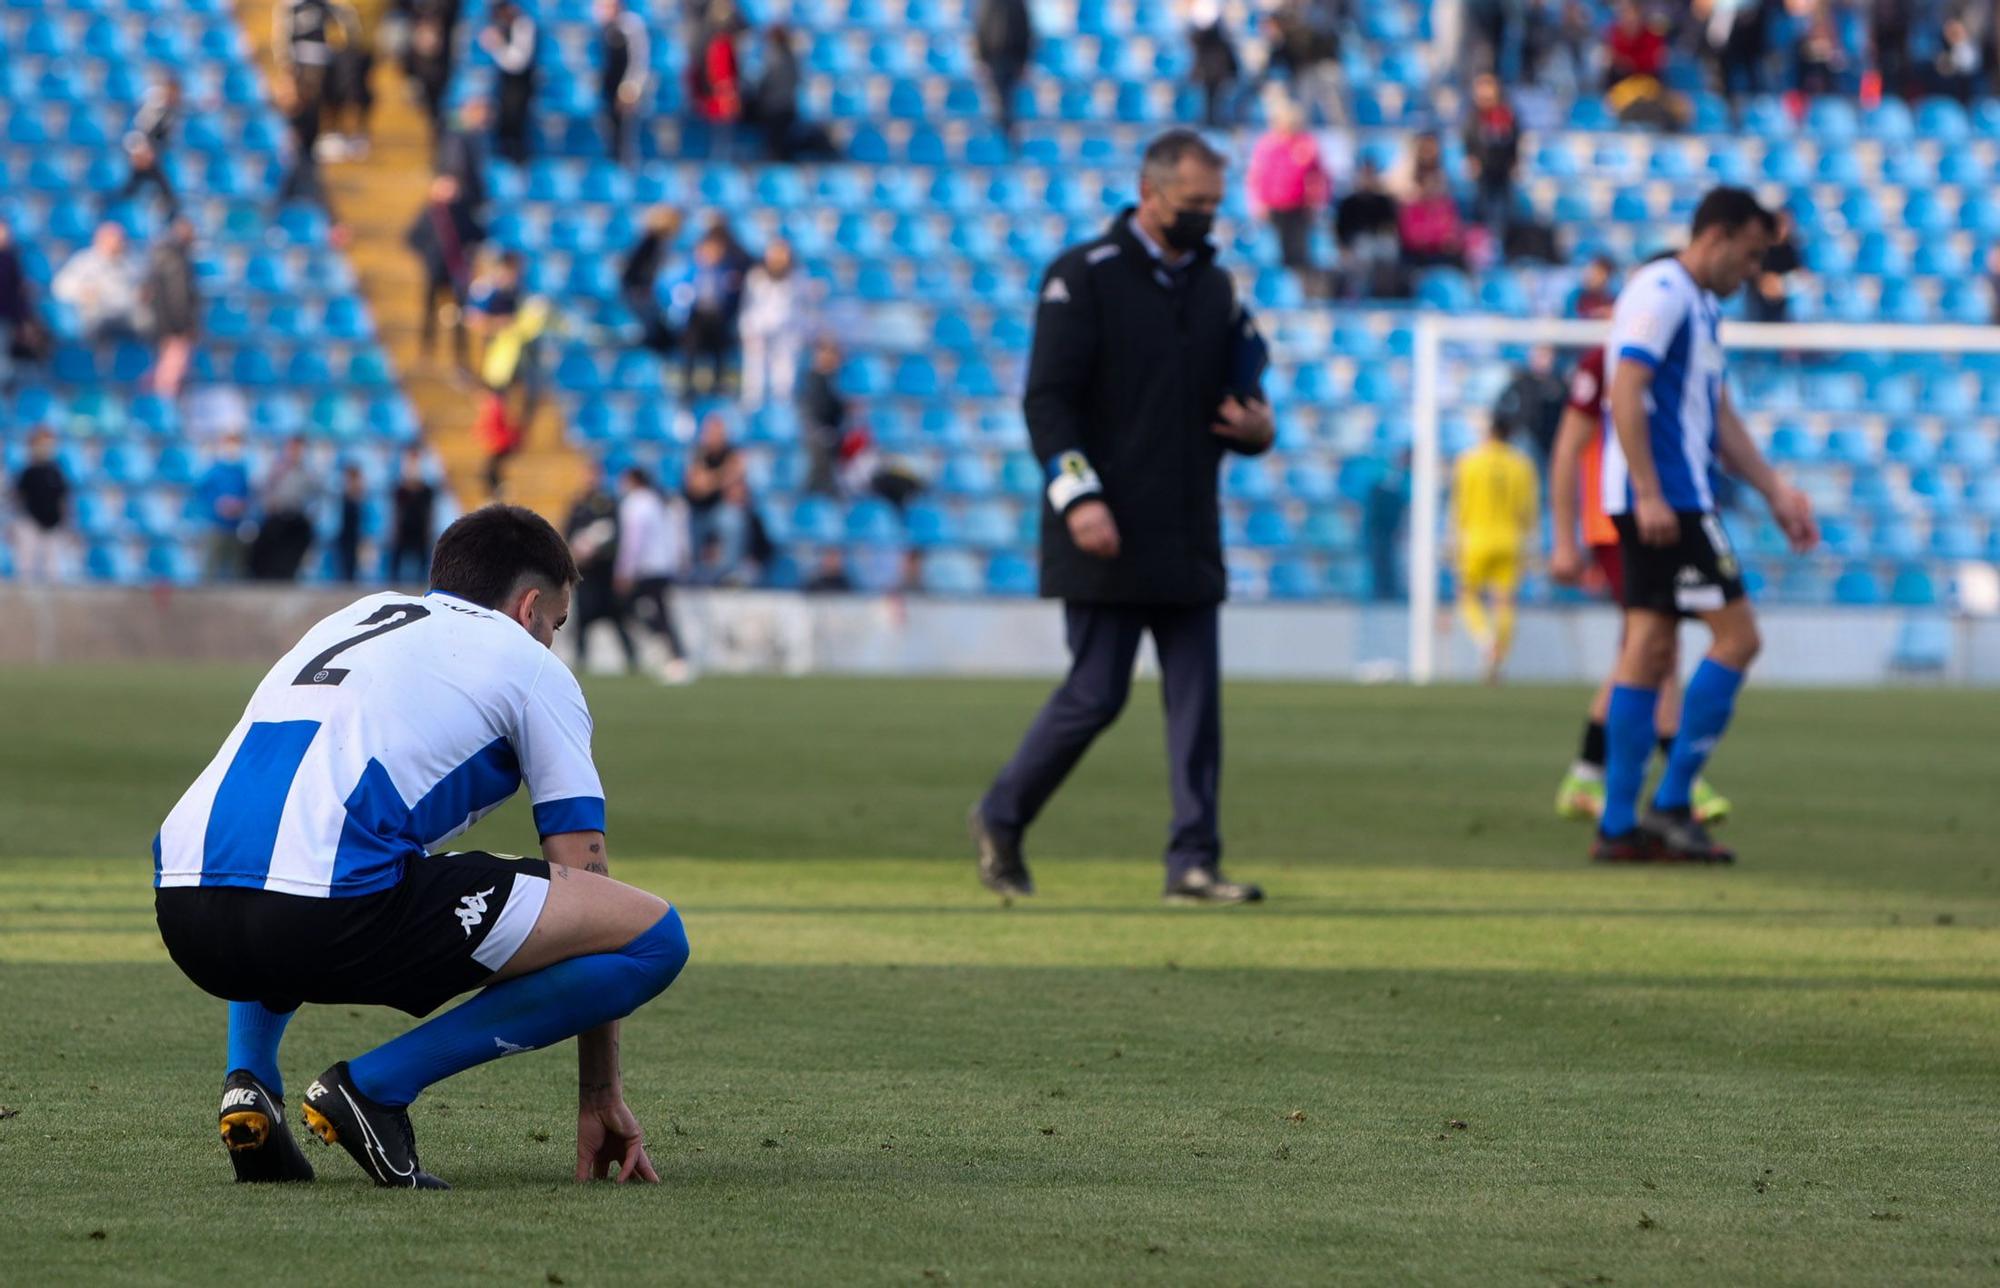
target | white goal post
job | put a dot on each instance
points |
(1433, 331)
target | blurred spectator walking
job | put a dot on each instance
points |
(773, 326)
(512, 40)
(1820, 58)
(592, 532)
(623, 78)
(413, 515)
(1382, 511)
(302, 34)
(41, 513)
(353, 524)
(350, 96)
(1003, 35)
(222, 499)
(1769, 298)
(1303, 38)
(285, 501)
(1288, 183)
(639, 279)
(461, 155)
(102, 284)
(652, 553)
(173, 297)
(147, 141)
(822, 417)
(302, 180)
(428, 63)
(509, 367)
(1493, 153)
(446, 237)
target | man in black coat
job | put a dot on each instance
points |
(1145, 371)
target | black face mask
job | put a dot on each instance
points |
(1189, 229)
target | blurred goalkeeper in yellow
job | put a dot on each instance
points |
(1495, 508)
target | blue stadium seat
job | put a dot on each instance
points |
(1857, 585)
(951, 572)
(1913, 587)
(1009, 573)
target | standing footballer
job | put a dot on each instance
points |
(300, 866)
(1671, 421)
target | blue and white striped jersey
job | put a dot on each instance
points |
(1672, 326)
(394, 725)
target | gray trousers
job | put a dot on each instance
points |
(1103, 642)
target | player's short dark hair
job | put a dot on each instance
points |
(1731, 208)
(1166, 152)
(484, 555)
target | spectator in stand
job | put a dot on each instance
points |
(1956, 73)
(446, 237)
(222, 498)
(494, 296)
(1287, 183)
(823, 417)
(1737, 35)
(512, 40)
(101, 282)
(1594, 294)
(734, 546)
(1216, 66)
(1003, 34)
(652, 554)
(1493, 153)
(1423, 162)
(773, 326)
(829, 574)
(639, 279)
(1303, 37)
(1889, 31)
(1769, 298)
(774, 103)
(1431, 233)
(1531, 404)
(285, 502)
(41, 513)
(20, 326)
(1366, 227)
(353, 519)
(173, 298)
(413, 507)
(301, 181)
(147, 140)
(1635, 67)
(592, 532)
(461, 154)
(302, 33)
(1382, 526)
(509, 367)
(350, 98)
(1820, 58)
(623, 78)
(717, 89)
(713, 465)
(428, 64)
(709, 297)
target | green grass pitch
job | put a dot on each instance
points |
(1447, 1051)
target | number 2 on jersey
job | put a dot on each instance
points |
(390, 617)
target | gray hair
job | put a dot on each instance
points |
(1165, 154)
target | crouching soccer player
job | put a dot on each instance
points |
(1671, 419)
(298, 868)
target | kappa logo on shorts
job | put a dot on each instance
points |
(472, 910)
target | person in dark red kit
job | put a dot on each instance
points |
(718, 79)
(1633, 47)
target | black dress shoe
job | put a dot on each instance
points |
(1001, 867)
(1199, 885)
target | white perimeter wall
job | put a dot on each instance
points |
(790, 634)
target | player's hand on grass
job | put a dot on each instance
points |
(1566, 563)
(611, 1145)
(1658, 524)
(1248, 423)
(1093, 530)
(1794, 512)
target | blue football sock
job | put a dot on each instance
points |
(254, 1033)
(534, 1010)
(1711, 697)
(1628, 745)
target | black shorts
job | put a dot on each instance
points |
(1696, 574)
(443, 929)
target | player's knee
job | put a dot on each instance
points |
(1739, 646)
(1097, 708)
(656, 958)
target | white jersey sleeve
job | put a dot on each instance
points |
(553, 743)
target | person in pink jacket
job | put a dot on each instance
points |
(1288, 183)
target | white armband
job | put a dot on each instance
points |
(1071, 480)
